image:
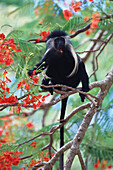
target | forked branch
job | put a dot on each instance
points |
(74, 144)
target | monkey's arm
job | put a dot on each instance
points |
(84, 79)
(41, 65)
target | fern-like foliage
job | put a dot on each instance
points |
(96, 151)
(74, 23)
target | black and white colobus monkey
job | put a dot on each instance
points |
(63, 66)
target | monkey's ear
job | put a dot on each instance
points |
(30, 72)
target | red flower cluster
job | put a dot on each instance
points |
(102, 165)
(3, 83)
(75, 6)
(1, 131)
(36, 100)
(95, 20)
(9, 158)
(21, 85)
(45, 158)
(67, 14)
(4, 89)
(42, 36)
(86, 19)
(34, 162)
(33, 144)
(7, 48)
(29, 125)
(87, 32)
(10, 99)
(35, 79)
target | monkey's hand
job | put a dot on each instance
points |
(30, 72)
(50, 89)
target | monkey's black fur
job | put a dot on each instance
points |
(56, 33)
(63, 66)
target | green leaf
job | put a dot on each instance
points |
(74, 23)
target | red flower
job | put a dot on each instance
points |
(52, 155)
(18, 152)
(38, 104)
(11, 41)
(1, 131)
(23, 168)
(76, 6)
(95, 20)
(27, 87)
(12, 99)
(9, 152)
(16, 161)
(39, 161)
(2, 36)
(18, 49)
(7, 49)
(33, 144)
(8, 79)
(98, 161)
(44, 34)
(109, 166)
(7, 90)
(95, 15)
(33, 72)
(96, 166)
(36, 79)
(67, 14)
(87, 32)
(21, 84)
(7, 159)
(34, 106)
(4, 74)
(38, 40)
(43, 97)
(46, 159)
(18, 109)
(86, 19)
(47, 153)
(29, 125)
(33, 162)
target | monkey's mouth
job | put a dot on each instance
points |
(61, 50)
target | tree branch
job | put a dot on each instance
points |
(78, 31)
(106, 42)
(87, 119)
(74, 144)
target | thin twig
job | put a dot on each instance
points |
(107, 40)
(81, 160)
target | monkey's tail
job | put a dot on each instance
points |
(63, 108)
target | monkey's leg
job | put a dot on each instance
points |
(45, 82)
(84, 79)
(63, 108)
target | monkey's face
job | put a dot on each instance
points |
(59, 44)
